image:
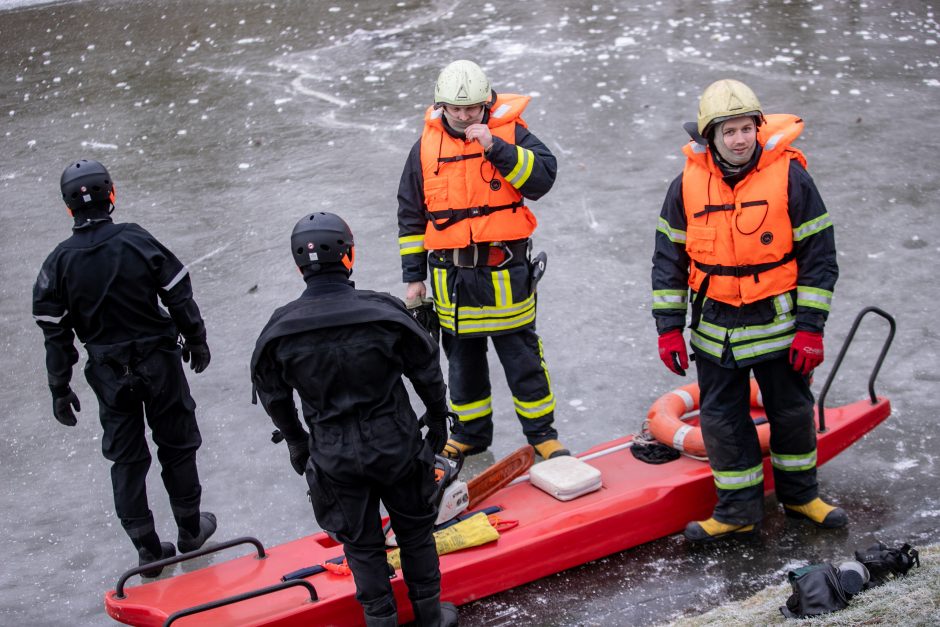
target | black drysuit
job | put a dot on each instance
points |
(103, 285)
(344, 351)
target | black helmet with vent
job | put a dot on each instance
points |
(322, 238)
(86, 186)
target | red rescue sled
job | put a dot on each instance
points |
(638, 503)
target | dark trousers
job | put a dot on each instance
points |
(731, 437)
(349, 509)
(520, 354)
(154, 388)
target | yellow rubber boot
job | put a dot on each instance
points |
(711, 529)
(550, 448)
(454, 449)
(819, 512)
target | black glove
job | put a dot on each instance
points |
(423, 311)
(437, 430)
(199, 353)
(299, 454)
(63, 400)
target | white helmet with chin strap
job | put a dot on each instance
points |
(462, 83)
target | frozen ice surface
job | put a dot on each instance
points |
(611, 84)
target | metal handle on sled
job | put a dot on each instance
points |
(845, 346)
(119, 588)
(243, 597)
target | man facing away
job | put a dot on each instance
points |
(745, 228)
(103, 285)
(462, 210)
(344, 351)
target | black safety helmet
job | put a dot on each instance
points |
(87, 186)
(322, 238)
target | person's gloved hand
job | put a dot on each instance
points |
(197, 355)
(806, 351)
(673, 352)
(299, 454)
(437, 430)
(63, 401)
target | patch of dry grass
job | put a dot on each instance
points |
(913, 600)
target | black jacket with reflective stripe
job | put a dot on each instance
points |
(105, 284)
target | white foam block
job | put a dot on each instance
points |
(565, 477)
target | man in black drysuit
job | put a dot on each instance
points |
(344, 351)
(103, 285)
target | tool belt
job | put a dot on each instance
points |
(492, 254)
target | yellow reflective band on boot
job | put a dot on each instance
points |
(819, 513)
(455, 450)
(551, 448)
(711, 529)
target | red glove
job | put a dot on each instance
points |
(806, 351)
(672, 351)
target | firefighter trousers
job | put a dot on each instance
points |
(521, 356)
(130, 390)
(349, 509)
(731, 438)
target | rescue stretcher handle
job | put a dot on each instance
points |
(119, 588)
(242, 597)
(838, 362)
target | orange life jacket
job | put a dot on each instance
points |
(741, 239)
(468, 200)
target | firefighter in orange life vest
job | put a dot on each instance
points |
(744, 226)
(462, 210)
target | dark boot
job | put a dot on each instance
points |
(147, 556)
(430, 612)
(186, 541)
(145, 539)
(386, 613)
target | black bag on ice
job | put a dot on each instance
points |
(816, 590)
(885, 563)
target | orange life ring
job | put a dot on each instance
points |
(667, 426)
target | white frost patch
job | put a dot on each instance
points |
(372, 79)
(931, 82)
(931, 514)
(93, 144)
(576, 402)
(182, 131)
(877, 255)
(250, 40)
(244, 166)
(905, 464)
(620, 42)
